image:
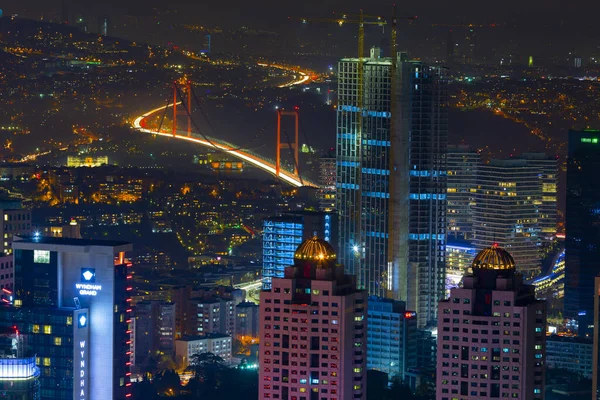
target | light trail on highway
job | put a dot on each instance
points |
(252, 159)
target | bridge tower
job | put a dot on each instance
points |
(187, 85)
(280, 146)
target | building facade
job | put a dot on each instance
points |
(88, 275)
(491, 335)
(246, 320)
(509, 193)
(313, 330)
(154, 330)
(283, 234)
(391, 338)
(463, 164)
(582, 228)
(14, 222)
(459, 257)
(215, 343)
(326, 192)
(572, 354)
(391, 179)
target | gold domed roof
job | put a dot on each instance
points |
(494, 258)
(315, 249)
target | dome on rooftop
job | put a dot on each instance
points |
(315, 250)
(494, 258)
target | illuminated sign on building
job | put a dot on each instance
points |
(81, 351)
(82, 369)
(88, 287)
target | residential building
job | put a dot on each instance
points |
(313, 341)
(582, 228)
(283, 234)
(215, 315)
(391, 178)
(215, 343)
(491, 334)
(13, 222)
(154, 330)
(7, 273)
(246, 320)
(569, 353)
(391, 338)
(463, 165)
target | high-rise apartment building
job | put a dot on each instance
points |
(246, 320)
(214, 315)
(391, 338)
(313, 342)
(491, 335)
(463, 164)
(71, 301)
(582, 227)
(509, 194)
(326, 191)
(283, 234)
(13, 222)
(154, 329)
(391, 179)
(215, 343)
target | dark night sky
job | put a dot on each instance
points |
(541, 27)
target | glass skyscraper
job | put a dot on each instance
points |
(463, 164)
(582, 224)
(391, 179)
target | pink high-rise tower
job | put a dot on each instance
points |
(313, 343)
(491, 335)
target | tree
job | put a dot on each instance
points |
(208, 368)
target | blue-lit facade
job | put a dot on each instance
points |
(391, 188)
(459, 257)
(283, 234)
(582, 227)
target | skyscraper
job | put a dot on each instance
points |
(463, 165)
(492, 335)
(75, 290)
(313, 341)
(509, 196)
(391, 179)
(283, 234)
(582, 223)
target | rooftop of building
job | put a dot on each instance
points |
(59, 241)
(195, 338)
(316, 250)
(494, 257)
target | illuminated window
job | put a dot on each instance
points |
(47, 329)
(46, 362)
(57, 341)
(36, 329)
(69, 320)
(41, 256)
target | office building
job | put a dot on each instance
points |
(313, 330)
(19, 375)
(391, 338)
(582, 227)
(463, 164)
(491, 334)
(326, 191)
(215, 343)
(573, 354)
(509, 194)
(14, 222)
(246, 320)
(283, 234)
(154, 330)
(79, 299)
(391, 179)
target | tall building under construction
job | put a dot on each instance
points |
(391, 178)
